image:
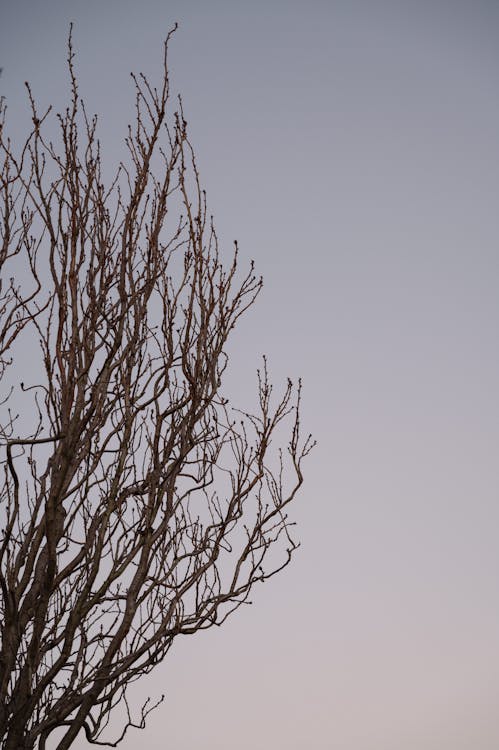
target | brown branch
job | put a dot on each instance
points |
(156, 506)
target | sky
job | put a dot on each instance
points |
(352, 148)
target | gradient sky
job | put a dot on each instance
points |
(352, 147)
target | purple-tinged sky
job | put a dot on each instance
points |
(352, 147)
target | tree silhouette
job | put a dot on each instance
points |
(137, 504)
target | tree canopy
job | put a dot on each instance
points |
(136, 502)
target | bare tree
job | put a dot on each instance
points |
(137, 504)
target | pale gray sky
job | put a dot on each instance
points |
(352, 148)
